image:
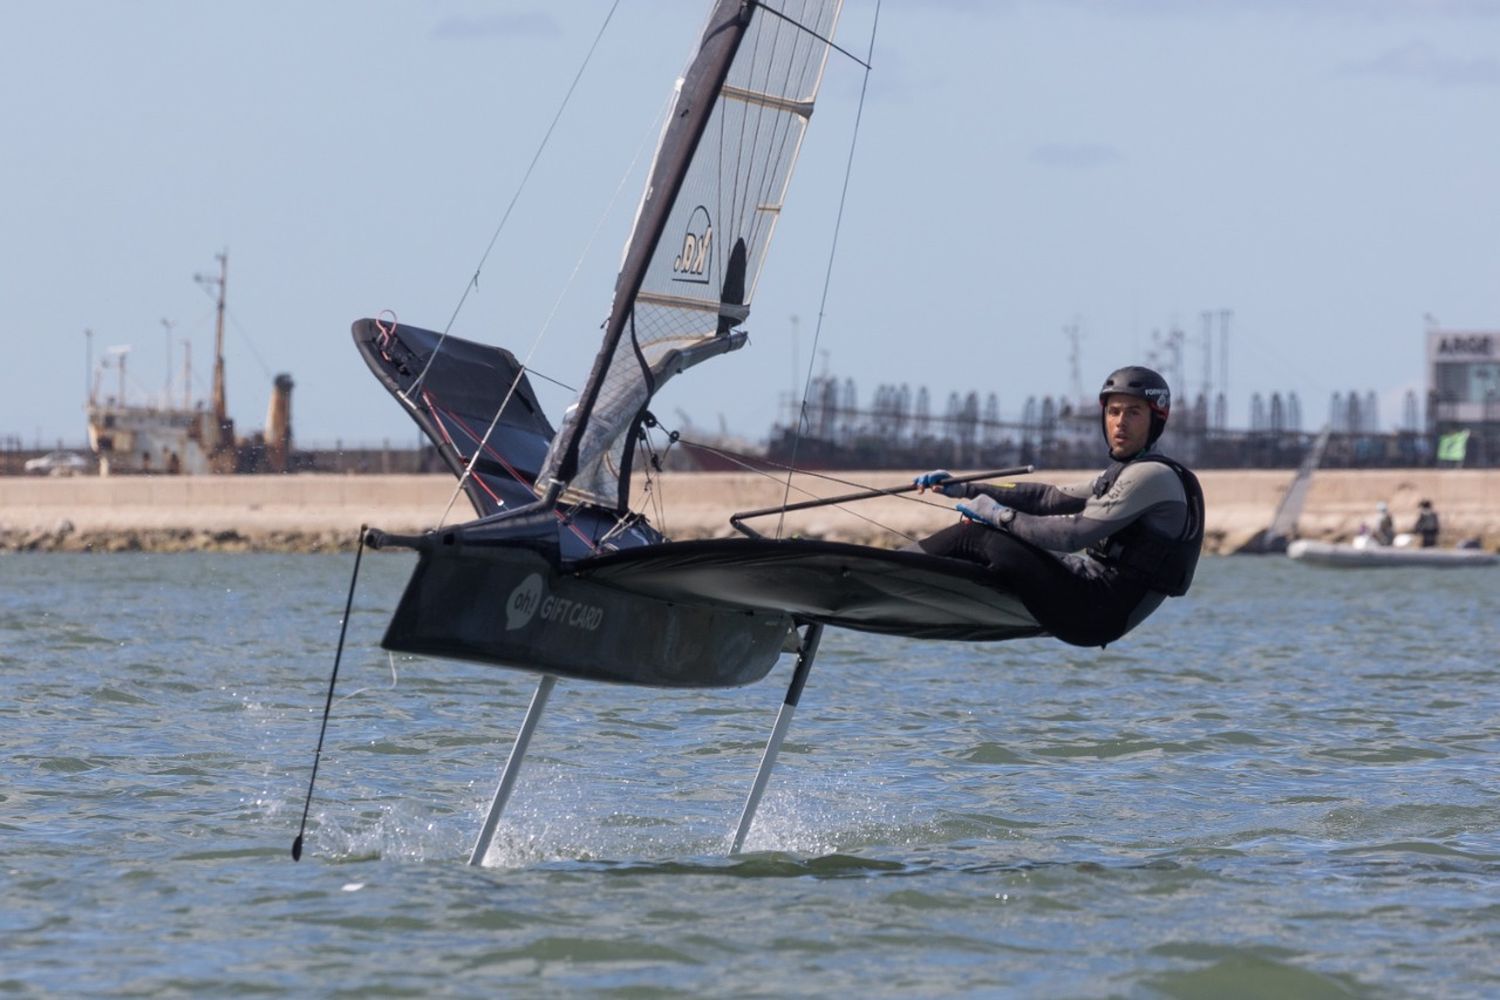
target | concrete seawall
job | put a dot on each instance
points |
(310, 512)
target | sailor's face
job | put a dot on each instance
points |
(1127, 425)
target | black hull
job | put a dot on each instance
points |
(831, 583)
(511, 606)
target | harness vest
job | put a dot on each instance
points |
(1162, 563)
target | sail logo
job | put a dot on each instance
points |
(530, 600)
(692, 262)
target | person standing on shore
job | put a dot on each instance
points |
(1090, 560)
(1426, 526)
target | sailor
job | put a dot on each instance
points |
(1090, 560)
(1426, 525)
(1385, 530)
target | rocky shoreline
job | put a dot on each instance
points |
(64, 537)
(324, 513)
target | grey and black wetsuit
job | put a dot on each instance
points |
(1090, 560)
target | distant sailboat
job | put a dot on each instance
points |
(1275, 537)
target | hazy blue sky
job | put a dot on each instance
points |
(1327, 169)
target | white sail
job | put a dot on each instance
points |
(1284, 521)
(693, 260)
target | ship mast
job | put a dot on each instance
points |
(221, 454)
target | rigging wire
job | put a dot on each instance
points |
(474, 281)
(760, 466)
(654, 476)
(551, 315)
(239, 327)
(832, 251)
(826, 41)
(652, 486)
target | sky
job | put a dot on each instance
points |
(1321, 177)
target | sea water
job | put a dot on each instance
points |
(1282, 785)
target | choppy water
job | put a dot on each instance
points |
(1284, 785)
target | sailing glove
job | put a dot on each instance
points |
(934, 481)
(987, 511)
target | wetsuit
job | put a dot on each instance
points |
(1427, 527)
(1091, 560)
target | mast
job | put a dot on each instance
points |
(690, 113)
(166, 393)
(221, 404)
(221, 454)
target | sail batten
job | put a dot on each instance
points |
(703, 227)
(734, 310)
(803, 109)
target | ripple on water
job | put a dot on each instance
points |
(1278, 786)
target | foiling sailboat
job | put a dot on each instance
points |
(557, 575)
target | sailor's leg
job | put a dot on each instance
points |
(810, 641)
(957, 541)
(512, 768)
(1075, 607)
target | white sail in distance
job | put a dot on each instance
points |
(702, 229)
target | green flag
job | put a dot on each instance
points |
(1451, 447)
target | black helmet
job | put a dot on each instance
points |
(1142, 383)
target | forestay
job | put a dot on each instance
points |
(702, 229)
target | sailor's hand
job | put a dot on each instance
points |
(935, 481)
(986, 510)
